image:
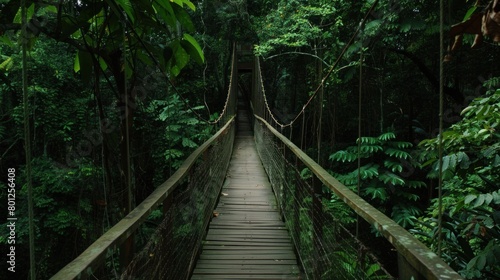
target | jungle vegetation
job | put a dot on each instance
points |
(114, 86)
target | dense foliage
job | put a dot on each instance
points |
(105, 75)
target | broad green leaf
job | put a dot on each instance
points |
(193, 48)
(127, 7)
(479, 201)
(178, 2)
(165, 11)
(184, 18)
(469, 13)
(180, 59)
(469, 198)
(190, 5)
(6, 40)
(29, 14)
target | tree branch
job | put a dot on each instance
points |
(302, 53)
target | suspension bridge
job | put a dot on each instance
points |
(239, 208)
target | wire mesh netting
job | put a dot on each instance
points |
(172, 250)
(321, 225)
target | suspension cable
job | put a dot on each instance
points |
(360, 95)
(127, 120)
(157, 64)
(441, 113)
(330, 71)
(27, 137)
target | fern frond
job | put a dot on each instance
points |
(397, 153)
(393, 166)
(387, 136)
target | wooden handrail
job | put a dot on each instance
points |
(93, 256)
(421, 258)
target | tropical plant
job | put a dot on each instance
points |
(385, 173)
(471, 198)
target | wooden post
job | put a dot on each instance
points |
(407, 271)
(126, 252)
(168, 237)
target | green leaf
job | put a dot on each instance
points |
(387, 136)
(186, 142)
(469, 198)
(343, 156)
(165, 11)
(180, 59)
(368, 171)
(469, 13)
(391, 178)
(397, 153)
(7, 64)
(393, 166)
(184, 18)
(376, 192)
(29, 14)
(127, 7)
(479, 201)
(193, 48)
(190, 5)
(6, 40)
(370, 149)
(368, 140)
(83, 64)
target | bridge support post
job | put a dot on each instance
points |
(317, 220)
(126, 252)
(406, 270)
(168, 237)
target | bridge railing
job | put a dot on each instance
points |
(313, 206)
(316, 207)
(186, 201)
(334, 230)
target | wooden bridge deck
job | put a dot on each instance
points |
(247, 238)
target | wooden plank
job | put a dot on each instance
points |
(224, 251)
(271, 257)
(245, 277)
(90, 259)
(285, 267)
(246, 243)
(274, 271)
(247, 262)
(247, 239)
(245, 248)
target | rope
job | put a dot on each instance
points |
(127, 121)
(157, 64)
(330, 71)
(27, 143)
(360, 95)
(441, 115)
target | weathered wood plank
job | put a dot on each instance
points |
(247, 238)
(248, 262)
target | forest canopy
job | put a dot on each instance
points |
(119, 92)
